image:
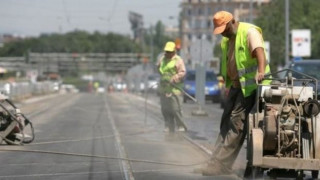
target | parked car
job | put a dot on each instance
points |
(308, 67)
(68, 88)
(212, 90)
(153, 81)
(119, 86)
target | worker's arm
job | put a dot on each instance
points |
(258, 53)
(158, 64)
(181, 71)
(256, 46)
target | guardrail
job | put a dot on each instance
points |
(22, 90)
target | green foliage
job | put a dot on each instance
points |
(158, 39)
(77, 82)
(84, 42)
(303, 15)
(77, 41)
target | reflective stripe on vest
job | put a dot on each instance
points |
(244, 71)
(248, 82)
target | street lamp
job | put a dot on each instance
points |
(59, 18)
(287, 31)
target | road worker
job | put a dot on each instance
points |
(243, 65)
(172, 70)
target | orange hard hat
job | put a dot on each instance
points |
(220, 21)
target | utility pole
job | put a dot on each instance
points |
(151, 42)
(250, 10)
(287, 31)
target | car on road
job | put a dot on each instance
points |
(211, 89)
(308, 67)
(68, 88)
(153, 81)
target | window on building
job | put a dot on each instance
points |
(189, 12)
(209, 11)
(216, 9)
(209, 23)
(198, 23)
(204, 24)
(200, 11)
(209, 37)
(191, 24)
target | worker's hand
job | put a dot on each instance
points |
(174, 79)
(259, 76)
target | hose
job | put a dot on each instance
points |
(172, 84)
(27, 122)
(101, 156)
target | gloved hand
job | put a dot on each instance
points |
(174, 79)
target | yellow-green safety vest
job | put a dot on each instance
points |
(246, 65)
(167, 70)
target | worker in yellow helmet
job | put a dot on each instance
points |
(172, 71)
(96, 85)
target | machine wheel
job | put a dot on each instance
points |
(221, 104)
(253, 172)
(185, 99)
(215, 99)
(300, 175)
(315, 174)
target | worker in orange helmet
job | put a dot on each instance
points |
(243, 64)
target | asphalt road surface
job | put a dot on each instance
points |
(104, 136)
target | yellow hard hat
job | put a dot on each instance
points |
(170, 46)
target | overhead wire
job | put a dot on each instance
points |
(66, 12)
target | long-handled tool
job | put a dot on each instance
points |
(185, 93)
(199, 111)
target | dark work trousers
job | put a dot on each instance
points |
(233, 127)
(171, 111)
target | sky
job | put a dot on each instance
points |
(34, 17)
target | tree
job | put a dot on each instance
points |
(159, 38)
(303, 15)
(76, 41)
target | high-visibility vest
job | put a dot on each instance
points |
(167, 70)
(246, 65)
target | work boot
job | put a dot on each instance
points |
(216, 170)
(166, 129)
(181, 129)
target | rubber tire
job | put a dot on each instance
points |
(253, 172)
(300, 175)
(185, 99)
(315, 174)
